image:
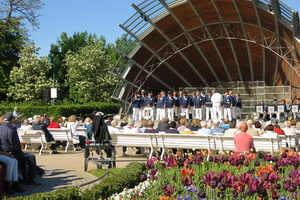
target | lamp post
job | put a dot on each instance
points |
(53, 91)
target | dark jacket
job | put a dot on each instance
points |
(163, 126)
(172, 131)
(9, 138)
(43, 127)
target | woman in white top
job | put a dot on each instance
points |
(72, 125)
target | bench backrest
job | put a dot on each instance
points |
(132, 139)
(60, 134)
(265, 144)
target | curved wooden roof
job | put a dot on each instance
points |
(193, 43)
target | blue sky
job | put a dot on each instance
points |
(94, 16)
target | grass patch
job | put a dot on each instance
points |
(101, 172)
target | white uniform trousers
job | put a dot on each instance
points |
(277, 116)
(193, 112)
(161, 113)
(170, 113)
(208, 110)
(186, 112)
(176, 111)
(227, 113)
(217, 110)
(199, 113)
(136, 114)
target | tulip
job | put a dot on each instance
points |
(275, 195)
(284, 155)
(222, 187)
(221, 195)
(277, 186)
(202, 194)
(235, 194)
(143, 177)
(256, 163)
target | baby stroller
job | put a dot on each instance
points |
(99, 143)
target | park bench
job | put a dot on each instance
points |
(34, 137)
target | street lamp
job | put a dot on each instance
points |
(53, 91)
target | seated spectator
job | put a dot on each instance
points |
(53, 124)
(144, 125)
(217, 128)
(60, 122)
(251, 131)
(195, 125)
(204, 129)
(277, 128)
(294, 124)
(37, 125)
(288, 130)
(10, 144)
(150, 128)
(187, 129)
(257, 126)
(11, 184)
(243, 142)
(269, 132)
(182, 125)
(172, 128)
(164, 125)
(225, 124)
(110, 118)
(113, 127)
(87, 121)
(25, 127)
(16, 123)
(130, 128)
(232, 129)
(73, 125)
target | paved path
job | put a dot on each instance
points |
(68, 171)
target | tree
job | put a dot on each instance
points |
(87, 73)
(58, 54)
(20, 11)
(29, 80)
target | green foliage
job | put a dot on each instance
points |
(64, 110)
(101, 172)
(87, 74)
(116, 183)
(129, 177)
(29, 80)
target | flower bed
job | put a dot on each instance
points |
(249, 176)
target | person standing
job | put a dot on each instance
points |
(192, 107)
(136, 106)
(185, 104)
(170, 106)
(233, 108)
(149, 102)
(295, 114)
(161, 105)
(238, 104)
(208, 107)
(16, 113)
(176, 104)
(228, 104)
(198, 103)
(216, 100)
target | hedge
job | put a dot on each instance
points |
(65, 110)
(128, 178)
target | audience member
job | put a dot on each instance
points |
(182, 125)
(144, 125)
(10, 144)
(257, 126)
(87, 121)
(288, 130)
(204, 129)
(53, 124)
(217, 128)
(172, 128)
(232, 129)
(150, 128)
(243, 142)
(251, 131)
(195, 125)
(277, 128)
(113, 127)
(164, 125)
(225, 123)
(187, 129)
(72, 125)
(37, 125)
(269, 132)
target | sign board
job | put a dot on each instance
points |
(53, 93)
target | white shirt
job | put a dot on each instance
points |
(289, 131)
(270, 134)
(216, 98)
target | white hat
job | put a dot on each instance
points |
(30, 119)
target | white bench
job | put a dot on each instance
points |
(62, 134)
(34, 137)
(265, 144)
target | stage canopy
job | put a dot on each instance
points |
(194, 43)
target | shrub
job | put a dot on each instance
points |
(129, 178)
(65, 110)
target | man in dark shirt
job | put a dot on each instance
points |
(164, 125)
(11, 144)
(172, 128)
